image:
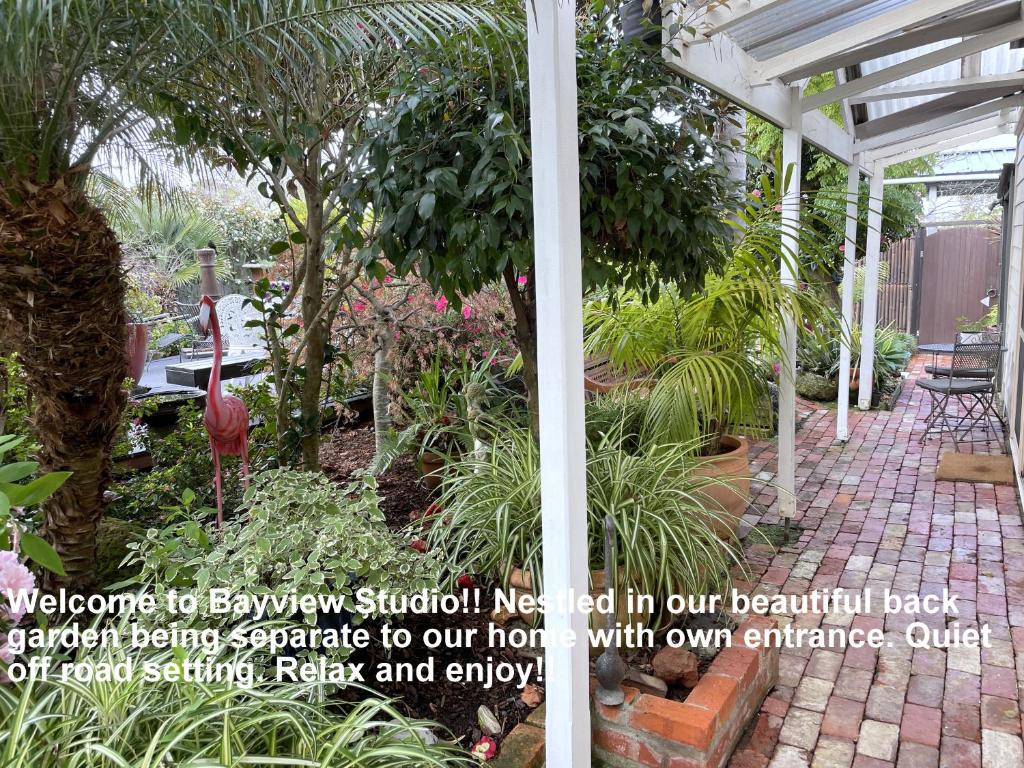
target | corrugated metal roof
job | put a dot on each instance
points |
(974, 161)
(800, 22)
(995, 61)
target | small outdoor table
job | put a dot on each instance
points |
(936, 350)
(196, 373)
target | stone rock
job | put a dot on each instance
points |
(676, 665)
(489, 723)
(813, 386)
(649, 684)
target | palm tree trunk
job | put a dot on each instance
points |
(62, 311)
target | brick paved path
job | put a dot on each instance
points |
(873, 516)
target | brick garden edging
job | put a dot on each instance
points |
(654, 732)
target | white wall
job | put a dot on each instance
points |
(1013, 301)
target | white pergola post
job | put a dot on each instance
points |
(558, 271)
(869, 313)
(849, 257)
(792, 143)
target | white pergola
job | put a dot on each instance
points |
(913, 77)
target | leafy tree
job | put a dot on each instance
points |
(81, 80)
(824, 180)
(451, 177)
(287, 108)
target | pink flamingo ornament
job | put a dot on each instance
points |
(226, 417)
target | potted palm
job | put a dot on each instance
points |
(711, 353)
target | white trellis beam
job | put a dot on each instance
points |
(942, 146)
(821, 50)
(869, 303)
(727, 69)
(977, 44)
(950, 120)
(959, 85)
(558, 268)
(792, 145)
(954, 133)
(849, 258)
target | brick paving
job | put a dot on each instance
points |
(873, 516)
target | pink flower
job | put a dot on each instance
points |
(484, 749)
(777, 208)
(777, 367)
(467, 312)
(842, 248)
(359, 306)
(756, 193)
(389, 279)
(522, 279)
(441, 304)
(15, 578)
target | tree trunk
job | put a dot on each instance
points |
(525, 309)
(316, 331)
(381, 375)
(62, 311)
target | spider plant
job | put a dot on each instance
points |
(711, 353)
(667, 542)
(57, 723)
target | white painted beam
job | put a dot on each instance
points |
(950, 104)
(874, 28)
(558, 268)
(953, 119)
(958, 85)
(869, 304)
(982, 42)
(792, 144)
(849, 259)
(944, 146)
(727, 69)
(952, 133)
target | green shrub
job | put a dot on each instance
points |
(666, 542)
(140, 724)
(296, 532)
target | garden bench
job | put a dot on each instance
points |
(599, 376)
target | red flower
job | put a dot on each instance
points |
(484, 749)
(465, 581)
(419, 545)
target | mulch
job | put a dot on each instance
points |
(453, 705)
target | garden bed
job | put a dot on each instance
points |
(453, 705)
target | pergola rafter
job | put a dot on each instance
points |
(720, 51)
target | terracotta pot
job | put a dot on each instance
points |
(432, 467)
(730, 498)
(521, 582)
(854, 379)
(137, 345)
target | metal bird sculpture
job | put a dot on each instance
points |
(226, 417)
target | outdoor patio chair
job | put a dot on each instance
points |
(975, 394)
(195, 344)
(966, 337)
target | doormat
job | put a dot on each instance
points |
(973, 468)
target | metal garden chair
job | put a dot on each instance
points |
(976, 394)
(965, 337)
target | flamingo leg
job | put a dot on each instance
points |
(216, 483)
(245, 461)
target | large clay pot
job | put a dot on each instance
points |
(431, 465)
(138, 342)
(730, 498)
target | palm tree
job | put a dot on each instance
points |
(81, 81)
